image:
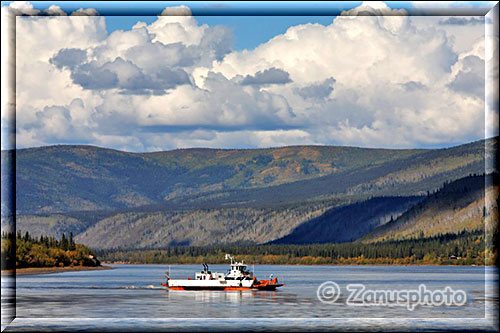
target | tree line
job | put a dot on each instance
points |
(466, 247)
(25, 250)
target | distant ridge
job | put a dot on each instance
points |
(200, 196)
(349, 223)
(74, 178)
(459, 205)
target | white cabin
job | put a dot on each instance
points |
(238, 270)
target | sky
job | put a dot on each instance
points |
(186, 76)
(248, 31)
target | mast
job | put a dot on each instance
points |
(228, 256)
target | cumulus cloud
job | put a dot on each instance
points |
(412, 86)
(269, 76)
(91, 76)
(85, 12)
(176, 11)
(319, 90)
(58, 124)
(69, 58)
(373, 8)
(462, 20)
(137, 60)
(470, 79)
(125, 75)
(221, 106)
(392, 76)
(385, 81)
(55, 11)
(22, 8)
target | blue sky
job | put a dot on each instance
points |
(249, 31)
(242, 17)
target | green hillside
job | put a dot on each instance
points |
(84, 178)
(458, 206)
(69, 178)
(350, 222)
(113, 199)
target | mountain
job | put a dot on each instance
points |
(349, 222)
(68, 178)
(194, 227)
(109, 198)
(59, 179)
(459, 205)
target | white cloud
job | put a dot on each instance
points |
(55, 10)
(176, 11)
(23, 8)
(373, 8)
(85, 12)
(40, 83)
(391, 81)
(371, 58)
(177, 29)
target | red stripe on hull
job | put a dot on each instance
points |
(210, 288)
(237, 288)
(266, 287)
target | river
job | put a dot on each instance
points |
(130, 297)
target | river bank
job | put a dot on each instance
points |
(52, 270)
(120, 263)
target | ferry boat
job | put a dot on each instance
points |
(237, 278)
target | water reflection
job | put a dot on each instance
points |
(244, 297)
(8, 299)
(134, 291)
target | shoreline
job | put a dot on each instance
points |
(305, 265)
(52, 270)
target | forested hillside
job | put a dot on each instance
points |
(195, 227)
(464, 248)
(300, 194)
(458, 206)
(84, 178)
(350, 222)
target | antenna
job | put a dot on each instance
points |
(228, 256)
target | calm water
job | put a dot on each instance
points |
(131, 297)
